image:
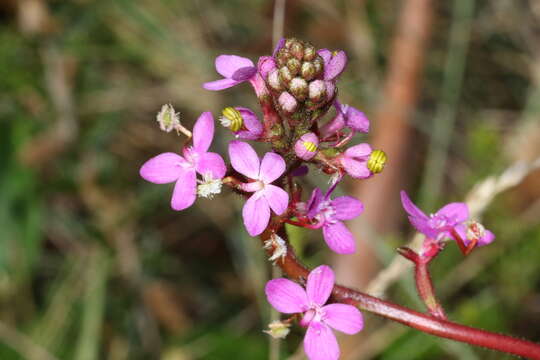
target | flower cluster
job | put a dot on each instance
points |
(297, 89)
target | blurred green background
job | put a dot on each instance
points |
(95, 265)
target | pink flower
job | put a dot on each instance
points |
(243, 122)
(334, 63)
(288, 297)
(329, 215)
(474, 231)
(234, 69)
(169, 167)
(355, 161)
(438, 225)
(256, 211)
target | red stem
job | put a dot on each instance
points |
(431, 325)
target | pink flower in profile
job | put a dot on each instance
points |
(438, 225)
(234, 69)
(288, 297)
(355, 161)
(334, 63)
(346, 117)
(256, 211)
(329, 215)
(242, 122)
(170, 167)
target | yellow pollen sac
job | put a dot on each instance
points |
(234, 117)
(376, 161)
(311, 147)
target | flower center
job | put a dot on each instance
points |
(231, 119)
(208, 187)
(191, 156)
(475, 230)
(377, 161)
(314, 313)
(326, 213)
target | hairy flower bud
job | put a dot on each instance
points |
(309, 52)
(278, 329)
(377, 161)
(318, 64)
(297, 50)
(287, 102)
(274, 81)
(307, 70)
(282, 56)
(306, 147)
(294, 66)
(285, 75)
(299, 88)
(317, 90)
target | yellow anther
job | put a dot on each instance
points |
(234, 117)
(376, 161)
(311, 147)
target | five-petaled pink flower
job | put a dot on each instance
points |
(170, 167)
(436, 226)
(234, 69)
(346, 117)
(329, 214)
(256, 211)
(288, 297)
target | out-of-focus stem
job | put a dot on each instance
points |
(292, 267)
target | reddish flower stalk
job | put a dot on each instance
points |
(292, 267)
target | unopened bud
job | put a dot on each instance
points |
(274, 80)
(287, 102)
(167, 118)
(294, 65)
(282, 56)
(297, 50)
(377, 161)
(299, 88)
(306, 146)
(285, 75)
(278, 329)
(232, 119)
(318, 64)
(309, 52)
(307, 71)
(317, 90)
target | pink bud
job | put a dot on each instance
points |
(287, 102)
(306, 147)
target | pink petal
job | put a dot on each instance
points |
(203, 132)
(319, 285)
(410, 208)
(256, 214)
(272, 166)
(339, 238)
(486, 239)
(313, 203)
(277, 198)
(356, 168)
(359, 151)
(244, 159)
(357, 120)
(347, 207)
(320, 343)
(252, 123)
(455, 212)
(326, 55)
(212, 163)
(220, 84)
(226, 65)
(336, 65)
(286, 296)
(344, 318)
(162, 169)
(266, 65)
(185, 191)
(333, 126)
(279, 45)
(244, 73)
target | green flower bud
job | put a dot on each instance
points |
(307, 71)
(299, 88)
(294, 65)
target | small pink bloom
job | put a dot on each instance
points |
(472, 230)
(256, 211)
(234, 69)
(288, 297)
(306, 146)
(438, 225)
(169, 167)
(243, 122)
(329, 215)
